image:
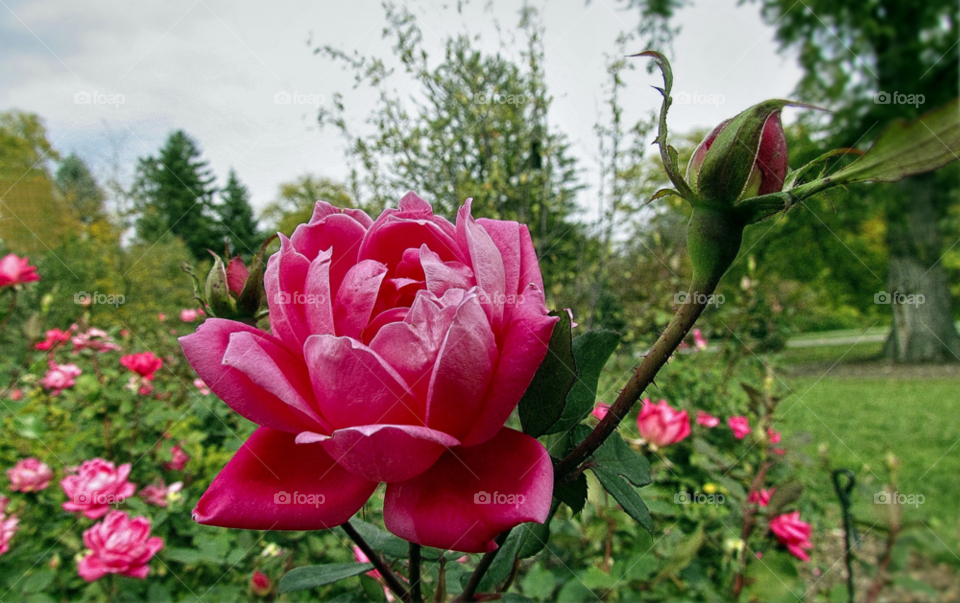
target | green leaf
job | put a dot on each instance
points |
(573, 494)
(388, 544)
(623, 493)
(907, 148)
(539, 583)
(534, 536)
(617, 456)
(303, 578)
(684, 554)
(591, 352)
(502, 565)
(184, 556)
(543, 402)
(783, 495)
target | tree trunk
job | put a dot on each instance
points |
(919, 295)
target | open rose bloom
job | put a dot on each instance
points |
(29, 475)
(119, 545)
(661, 425)
(398, 349)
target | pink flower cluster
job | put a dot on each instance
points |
(97, 340)
(55, 337)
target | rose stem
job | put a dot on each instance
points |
(416, 594)
(385, 572)
(482, 567)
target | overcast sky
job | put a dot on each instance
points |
(213, 68)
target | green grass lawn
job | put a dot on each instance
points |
(861, 419)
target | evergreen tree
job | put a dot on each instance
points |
(236, 217)
(174, 193)
(80, 190)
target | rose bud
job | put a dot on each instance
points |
(743, 157)
(260, 584)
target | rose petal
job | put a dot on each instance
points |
(255, 491)
(318, 307)
(409, 227)
(529, 265)
(485, 259)
(355, 299)
(444, 506)
(441, 276)
(340, 233)
(284, 283)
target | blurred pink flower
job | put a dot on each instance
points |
(97, 340)
(260, 584)
(158, 493)
(161, 317)
(16, 270)
(190, 314)
(96, 485)
(8, 527)
(706, 419)
(793, 533)
(144, 364)
(600, 410)
(199, 384)
(60, 377)
(774, 436)
(362, 558)
(698, 340)
(119, 545)
(4, 503)
(54, 337)
(16, 395)
(661, 425)
(740, 426)
(180, 459)
(29, 475)
(761, 497)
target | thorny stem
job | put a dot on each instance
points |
(416, 592)
(748, 524)
(482, 567)
(386, 574)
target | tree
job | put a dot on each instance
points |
(873, 61)
(80, 190)
(174, 195)
(236, 217)
(295, 201)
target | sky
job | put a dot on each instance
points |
(111, 79)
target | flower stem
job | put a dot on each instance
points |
(416, 592)
(471, 588)
(389, 578)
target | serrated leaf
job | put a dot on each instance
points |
(573, 494)
(907, 148)
(591, 352)
(616, 455)
(543, 402)
(311, 576)
(623, 493)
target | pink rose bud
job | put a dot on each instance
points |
(600, 410)
(144, 364)
(260, 584)
(159, 494)
(16, 271)
(761, 497)
(29, 475)
(161, 317)
(8, 527)
(698, 340)
(16, 395)
(237, 275)
(54, 337)
(60, 377)
(774, 436)
(95, 485)
(119, 545)
(180, 459)
(707, 420)
(189, 314)
(740, 427)
(661, 425)
(793, 534)
(742, 157)
(397, 351)
(200, 385)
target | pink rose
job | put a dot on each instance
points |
(8, 527)
(698, 341)
(398, 350)
(200, 385)
(119, 545)
(260, 584)
(60, 377)
(144, 364)
(158, 493)
(96, 485)
(707, 420)
(29, 475)
(54, 337)
(792, 533)
(189, 314)
(762, 497)
(774, 436)
(180, 459)
(97, 340)
(16, 395)
(237, 275)
(16, 270)
(740, 426)
(661, 425)
(161, 317)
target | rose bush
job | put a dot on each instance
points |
(399, 348)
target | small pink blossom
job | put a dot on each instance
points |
(60, 377)
(144, 364)
(600, 410)
(161, 317)
(16, 270)
(180, 459)
(698, 340)
(16, 395)
(190, 314)
(8, 527)
(97, 340)
(761, 497)
(95, 485)
(159, 494)
(200, 385)
(29, 475)
(260, 584)
(54, 337)
(706, 419)
(119, 545)
(661, 425)
(740, 426)
(774, 436)
(793, 533)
